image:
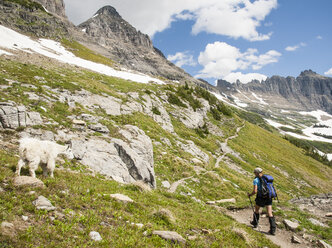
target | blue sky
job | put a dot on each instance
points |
(230, 39)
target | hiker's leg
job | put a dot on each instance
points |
(272, 220)
(257, 209)
(269, 210)
(255, 217)
(273, 225)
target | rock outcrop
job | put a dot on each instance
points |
(12, 116)
(55, 7)
(124, 161)
(35, 19)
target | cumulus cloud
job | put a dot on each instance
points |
(294, 48)
(233, 18)
(328, 73)
(244, 78)
(182, 58)
(319, 37)
(220, 60)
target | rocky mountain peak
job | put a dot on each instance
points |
(108, 27)
(309, 72)
(108, 10)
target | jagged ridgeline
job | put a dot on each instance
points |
(156, 165)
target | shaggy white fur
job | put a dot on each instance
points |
(43, 152)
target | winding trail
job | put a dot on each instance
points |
(224, 147)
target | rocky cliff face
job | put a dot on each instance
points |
(309, 91)
(55, 7)
(35, 20)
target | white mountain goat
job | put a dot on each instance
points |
(43, 152)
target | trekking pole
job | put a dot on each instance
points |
(276, 194)
(252, 207)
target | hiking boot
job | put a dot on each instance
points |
(255, 220)
(273, 225)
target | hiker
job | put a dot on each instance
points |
(261, 201)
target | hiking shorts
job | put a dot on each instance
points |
(262, 202)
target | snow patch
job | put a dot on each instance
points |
(277, 124)
(84, 30)
(2, 52)
(260, 100)
(95, 15)
(319, 114)
(224, 99)
(239, 103)
(329, 155)
(12, 40)
(324, 120)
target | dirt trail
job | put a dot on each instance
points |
(282, 238)
(224, 148)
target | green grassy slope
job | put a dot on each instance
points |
(87, 207)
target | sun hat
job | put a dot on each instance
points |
(258, 170)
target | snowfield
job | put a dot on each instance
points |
(13, 40)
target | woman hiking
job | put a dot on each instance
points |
(261, 202)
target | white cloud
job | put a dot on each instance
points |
(220, 60)
(319, 37)
(294, 48)
(182, 58)
(328, 73)
(233, 18)
(244, 78)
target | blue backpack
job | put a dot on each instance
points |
(268, 190)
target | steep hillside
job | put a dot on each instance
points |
(181, 159)
(196, 149)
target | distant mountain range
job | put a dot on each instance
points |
(307, 92)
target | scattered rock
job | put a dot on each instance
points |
(291, 225)
(323, 244)
(169, 235)
(165, 214)
(139, 225)
(232, 200)
(59, 215)
(2, 190)
(191, 148)
(28, 181)
(328, 215)
(79, 122)
(99, 128)
(206, 231)
(25, 218)
(142, 186)
(7, 229)
(296, 240)
(43, 203)
(192, 237)
(308, 237)
(32, 192)
(241, 233)
(316, 222)
(95, 236)
(166, 184)
(121, 197)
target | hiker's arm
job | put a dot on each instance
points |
(254, 191)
